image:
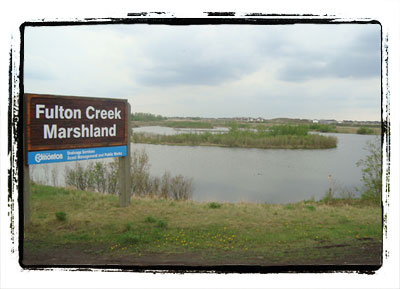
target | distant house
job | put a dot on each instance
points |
(315, 121)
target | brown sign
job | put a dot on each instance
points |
(69, 122)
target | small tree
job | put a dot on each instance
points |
(140, 173)
(99, 177)
(372, 172)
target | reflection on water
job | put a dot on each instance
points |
(252, 175)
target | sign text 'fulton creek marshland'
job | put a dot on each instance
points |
(59, 112)
(67, 125)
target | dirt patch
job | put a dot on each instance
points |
(368, 253)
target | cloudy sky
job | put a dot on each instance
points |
(329, 71)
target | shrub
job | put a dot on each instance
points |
(214, 205)
(150, 219)
(310, 208)
(165, 186)
(323, 127)
(177, 187)
(181, 188)
(140, 172)
(61, 216)
(372, 172)
(99, 177)
(112, 177)
(104, 178)
(96, 177)
(365, 130)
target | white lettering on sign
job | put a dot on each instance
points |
(59, 112)
(55, 132)
(92, 113)
(47, 156)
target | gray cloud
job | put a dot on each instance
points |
(355, 57)
(194, 72)
(223, 70)
(192, 56)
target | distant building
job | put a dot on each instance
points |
(348, 121)
(327, 121)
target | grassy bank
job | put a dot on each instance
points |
(213, 233)
(289, 138)
(345, 129)
(200, 123)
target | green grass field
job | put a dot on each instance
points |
(298, 233)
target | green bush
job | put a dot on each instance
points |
(214, 205)
(310, 208)
(372, 172)
(365, 130)
(323, 127)
(98, 177)
(104, 178)
(61, 216)
(150, 219)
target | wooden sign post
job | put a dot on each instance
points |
(125, 169)
(69, 128)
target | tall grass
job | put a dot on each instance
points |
(104, 178)
(283, 136)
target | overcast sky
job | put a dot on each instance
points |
(328, 71)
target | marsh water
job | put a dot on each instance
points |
(250, 175)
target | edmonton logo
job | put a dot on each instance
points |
(47, 157)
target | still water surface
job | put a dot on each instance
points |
(250, 175)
